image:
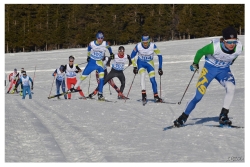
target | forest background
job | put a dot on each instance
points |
(41, 27)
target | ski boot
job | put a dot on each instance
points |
(72, 90)
(144, 97)
(157, 99)
(92, 94)
(12, 92)
(100, 97)
(21, 93)
(223, 118)
(8, 92)
(121, 96)
(181, 120)
(82, 97)
(58, 98)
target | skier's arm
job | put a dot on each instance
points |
(133, 54)
(129, 59)
(32, 84)
(78, 69)
(17, 83)
(208, 49)
(54, 73)
(157, 51)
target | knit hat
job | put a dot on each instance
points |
(229, 33)
(24, 72)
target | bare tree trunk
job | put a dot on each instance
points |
(240, 30)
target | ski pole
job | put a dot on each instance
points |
(52, 86)
(130, 86)
(160, 86)
(89, 82)
(187, 86)
(125, 68)
(83, 63)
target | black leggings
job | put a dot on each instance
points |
(115, 73)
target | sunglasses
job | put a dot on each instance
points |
(100, 38)
(71, 61)
(231, 42)
(121, 50)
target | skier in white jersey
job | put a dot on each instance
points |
(219, 55)
(25, 80)
(111, 81)
(145, 62)
(119, 61)
(96, 52)
(60, 80)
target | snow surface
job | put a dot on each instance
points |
(51, 130)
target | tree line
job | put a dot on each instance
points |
(34, 27)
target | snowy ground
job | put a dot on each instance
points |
(42, 130)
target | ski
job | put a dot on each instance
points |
(152, 100)
(172, 127)
(61, 94)
(226, 126)
(101, 100)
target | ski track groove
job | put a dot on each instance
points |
(82, 146)
(44, 133)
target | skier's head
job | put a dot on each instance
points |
(24, 74)
(99, 37)
(15, 70)
(62, 68)
(230, 37)
(145, 40)
(121, 51)
(22, 69)
(71, 59)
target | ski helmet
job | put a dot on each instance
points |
(99, 35)
(229, 33)
(121, 48)
(71, 57)
(61, 68)
(145, 38)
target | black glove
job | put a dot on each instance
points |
(135, 70)
(112, 56)
(160, 72)
(31, 87)
(194, 67)
(88, 58)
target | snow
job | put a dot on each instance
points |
(51, 130)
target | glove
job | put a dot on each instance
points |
(108, 64)
(160, 72)
(31, 87)
(88, 58)
(194, 67)
(112, 56)
(135, 70)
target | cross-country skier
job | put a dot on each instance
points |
(119, 61)
(96, 52)
(59, 73)
(13, 78)
(111, 81)
(71, 69)
(26, 85)
(145, 62)
(20, 75)
(219, 55)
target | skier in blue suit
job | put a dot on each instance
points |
(25, 80)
